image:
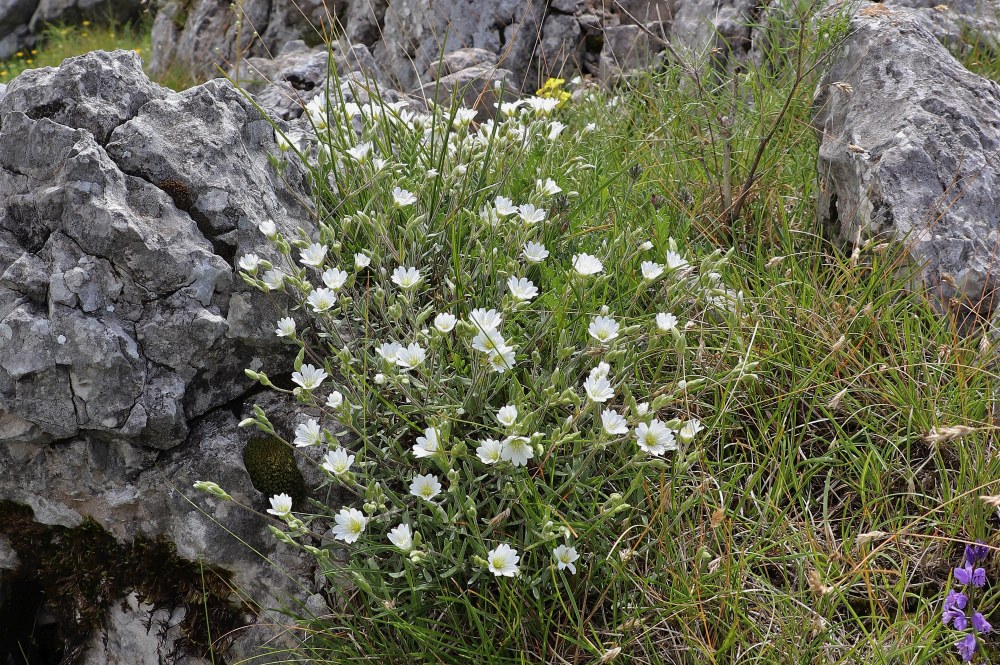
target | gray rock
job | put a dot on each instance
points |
(3, 91)
(136, 633)
(15, 13)
(118, 281)
(287, 83)
(417, 32)
(646, 11)
(566, 6)
(699, 27)
(96, 92)
(561, 48)
(958, 24)
(475, 87)
(464, 58)
(626, 47)
(908, 146)
(199, 36)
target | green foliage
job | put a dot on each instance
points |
(272, 468)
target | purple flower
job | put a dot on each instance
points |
(966, 647)
(980, 623)
(961, 622)
(967, 575)
(955, 600)
(976, 552)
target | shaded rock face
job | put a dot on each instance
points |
(909, 150)
(124, 330)
(529, 40)
(22, 20)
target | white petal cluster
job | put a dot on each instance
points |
(502, 561)
(655, 438)
(350, 524)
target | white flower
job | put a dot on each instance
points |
(613, 423)
(547, 187)
(489, 216)
(286, 327)
(485, 319)
(522, 289)
(510, 108)
(405, 278)
(507, 415)
(402, 538)
(359, 153)
(425, 487)
(322, 299)
(504, 206)
(308, 434)
(603, 329)
(517, 450)
(641, 409)
(565, 556)
(655, 438)
(338, 462)
(313, 255)
(501, 360)
(555, 129)
(445, 322)
(675, 260)
(379, 379)
(335, 400)
(646, 246)
(651, 270)
(535, 252)
(490, 451)
(309, 377)
(378, 164)
(690, 430)
(274, 279)
(411, 357)
(389, 350)
(281, 505)
(334, 278)
(464, 117)
(666, 321)
(598, 389)
(502, 560)
(282, 141)
(530, 214)
(269, 230)
(361, 261)
(402, 197)
(428, 444)
(602, 370)
(350, 525)
(585, 264)
(249, 262)
(489, 340)
(316, 110)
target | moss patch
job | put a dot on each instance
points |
(271, 465)
(83, 570)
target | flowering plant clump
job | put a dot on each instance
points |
(959, 610)
(508, 397)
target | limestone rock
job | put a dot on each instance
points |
(958, 24)
(124, 330)
(416, 32)
(464, 58)
(287, 83)
(908, 152)
(475, 87)
(197, 36)
(701, 26)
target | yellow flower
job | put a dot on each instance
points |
(85, 23)
(34, 51)
(20, 54)
(29, 61)
(553, 89)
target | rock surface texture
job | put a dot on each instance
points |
(124, 330)
(529, 40)
(910, 151)
(22, 20)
